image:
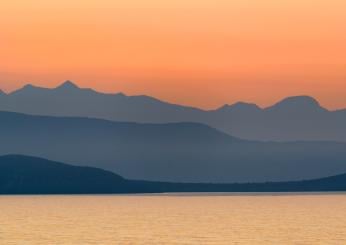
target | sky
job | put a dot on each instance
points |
(193, 52)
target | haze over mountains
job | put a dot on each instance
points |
(176, 152)
(292, 119)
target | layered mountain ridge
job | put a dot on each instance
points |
(294, 118)
(175, 152)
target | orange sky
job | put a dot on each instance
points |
(200, 53)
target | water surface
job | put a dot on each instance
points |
(174, 219)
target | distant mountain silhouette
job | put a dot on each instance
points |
(297, 104)
(294, 118)
(68, 85)
(240, 107)
(176, 152)
(29, 175)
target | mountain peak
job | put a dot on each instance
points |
(245, 105)
(240, 106)
(28, 86)
(297, 103)
(224, 107)
(67, 85)
(301, 100)
(2, 92)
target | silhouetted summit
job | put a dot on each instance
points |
(27, 92)
(240, 107)
(67, 85)
(297, 104)
(30, 87)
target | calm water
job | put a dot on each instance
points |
(289, 219)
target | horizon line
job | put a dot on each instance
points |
(76, 85)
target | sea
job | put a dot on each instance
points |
(219, 218)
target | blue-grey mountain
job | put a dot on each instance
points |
(294, 118)
(177, 152)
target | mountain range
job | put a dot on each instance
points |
(173, 152)
(29, 175)
(299, 118)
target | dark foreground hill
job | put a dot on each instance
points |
(176, 152)
(29, 175)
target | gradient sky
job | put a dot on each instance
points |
(195, 52)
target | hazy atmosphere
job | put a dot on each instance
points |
(199, 53)
(172, 122)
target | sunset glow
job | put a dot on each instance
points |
(200, 53)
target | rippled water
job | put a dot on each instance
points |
(263, 219)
